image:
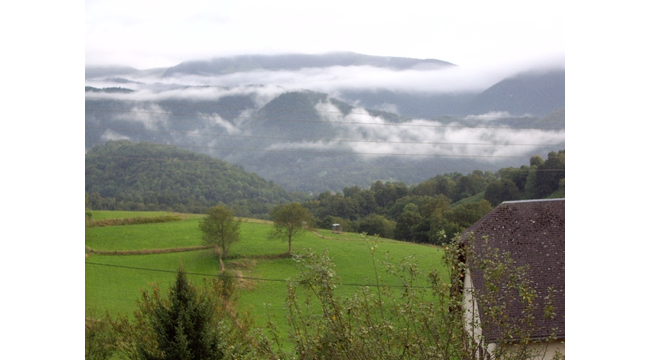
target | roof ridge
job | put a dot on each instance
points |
(531, 200)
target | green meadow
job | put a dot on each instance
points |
(103, 215)
(114, 282)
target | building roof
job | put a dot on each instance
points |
(533, 233)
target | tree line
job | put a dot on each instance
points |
(436, 209)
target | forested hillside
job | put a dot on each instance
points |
(435, 210)
(121, 175)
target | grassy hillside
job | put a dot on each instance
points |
(105, 215)
(114, 282)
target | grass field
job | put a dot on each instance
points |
(114, 282)
(104, 214)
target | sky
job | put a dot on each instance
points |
(152, 34)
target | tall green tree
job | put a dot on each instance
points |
(375, 224)
(220, 228)
(549, 175)
(501, 190)
(466, 215)
(406, 222)
(184, 325)
(289, 220)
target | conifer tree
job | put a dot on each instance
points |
(184, 325)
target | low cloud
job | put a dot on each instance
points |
(261, 94)
(492, 115)
(109, 135)
(359, 131)
(152, 116)
(372, 136)
(217, 120)
(452, 79)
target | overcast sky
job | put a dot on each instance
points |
(149, 34)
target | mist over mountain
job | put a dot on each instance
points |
(246, 63)
(312, 140)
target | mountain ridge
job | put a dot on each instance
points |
(246, 63)
(313, 141)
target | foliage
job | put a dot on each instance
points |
(446, 204)
(467, 214)
(183, 325)
(191, 323)
(100, 339)
(502, 190)
(376, 225)
(220, 229)
(121, 175)
(424, 318)
(136, 220)
(89, 218)
(289, 221)
(548, 179)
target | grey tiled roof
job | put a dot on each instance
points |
(533, 233)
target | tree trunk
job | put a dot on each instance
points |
(217, 249)
(289, 245)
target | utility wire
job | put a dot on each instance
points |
(238, 277)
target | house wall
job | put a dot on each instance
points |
(471, 314)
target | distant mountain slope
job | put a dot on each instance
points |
(103, 71)
(419, 105)
(164, 175)
(557, 115)
(246, 63)
(308, 141)
(535, 94)
(109, 90)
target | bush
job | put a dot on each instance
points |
(423, 318)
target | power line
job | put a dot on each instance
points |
(308, 139)
(238, 277)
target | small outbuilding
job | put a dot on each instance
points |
(337, 228)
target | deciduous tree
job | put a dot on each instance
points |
(289, 221)
(220, 229)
